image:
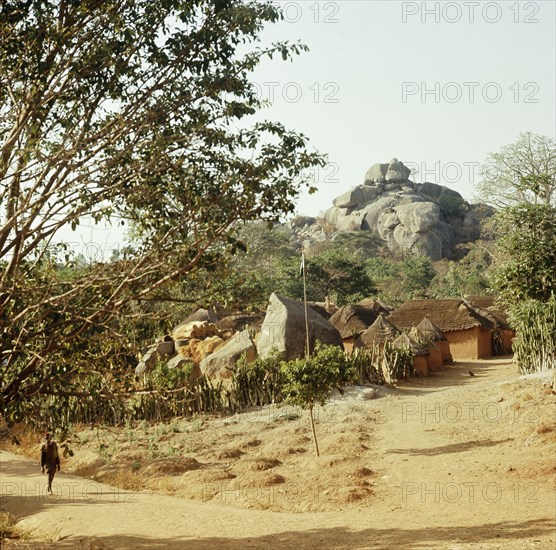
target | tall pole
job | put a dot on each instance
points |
(307, 351)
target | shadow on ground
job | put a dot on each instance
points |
(336, 538)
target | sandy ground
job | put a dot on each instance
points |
(449, 461)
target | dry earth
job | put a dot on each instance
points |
(449, 461)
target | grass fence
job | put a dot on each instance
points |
(535, 343)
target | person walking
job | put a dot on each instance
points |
(49, 459)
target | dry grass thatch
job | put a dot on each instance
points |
(353, 320)
(377, 305)
(405, 341)
(447, 315)
(379, 332)
(430, 331)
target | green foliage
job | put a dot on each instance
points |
(310, 381)
(400, 280)
(526, 269)
(270, 264)
(361, 244)
(340, 275)
(535, 343)
(521, 173)
(469, 276)
(257, 383)
(450, 204)
(125, 112)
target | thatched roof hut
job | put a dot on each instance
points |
(320, 308)
(420, 353)
(378, 333)
(504, 333)
(468, 332)
(377, 305)
(439, 350)
(447, 315)
(353, 320)
(486, 306)
(405, 341)
(429, 330)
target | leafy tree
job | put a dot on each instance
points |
(125, 111)
(526, 268)
(468, 276)
(523, 172)
(401, 280)
(341, 277)
(310, 381)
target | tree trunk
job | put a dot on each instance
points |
(314, 432)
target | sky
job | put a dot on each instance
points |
(437, 85)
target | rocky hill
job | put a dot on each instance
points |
(417, 218)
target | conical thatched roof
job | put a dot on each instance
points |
(447, 315)
(405, 341)
(377, 305)
(319, 308)
(354, 319)
(429, 330)
(380, 331)
(422, 339)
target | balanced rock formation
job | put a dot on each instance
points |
(284, 331)
(422, 219)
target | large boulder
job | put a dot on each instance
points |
(418, 217)
(284, 329)
(163, 349)
(397, 172)
(376, 173)
(356, 196)
(201, 315)
(196, 350)
(425, 218)
(426, 243)
(181, 362)
(219, 365)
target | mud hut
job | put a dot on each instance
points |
(378, 333)
(430, 331)
(503, 334)
(468, 332)
(420, 353)
(351, 321)
(434, 358)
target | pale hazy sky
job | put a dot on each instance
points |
(438, 85)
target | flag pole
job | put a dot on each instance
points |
(307, 349)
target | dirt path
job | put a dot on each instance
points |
(459, 466)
